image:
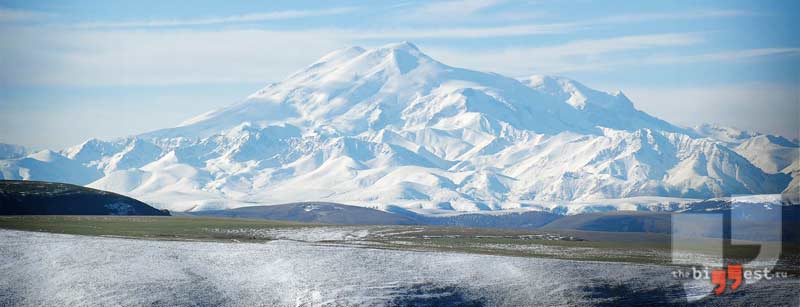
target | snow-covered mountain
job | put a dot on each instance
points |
(773, 154)
(11, 151)
(728, 135)
(392, 126)
(47, 165)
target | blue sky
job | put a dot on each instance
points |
(74, 70)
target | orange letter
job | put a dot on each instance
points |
(735, 273)
(718, 279)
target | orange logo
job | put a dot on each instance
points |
(719, 278)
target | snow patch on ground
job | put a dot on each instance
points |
(304, 234)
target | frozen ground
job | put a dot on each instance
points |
(308, 234)
(41, 269)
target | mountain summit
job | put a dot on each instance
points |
(354, 90)
(391, 126)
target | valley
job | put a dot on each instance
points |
(566, 244)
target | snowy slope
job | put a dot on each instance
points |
(773, 154)
(728, 135)
(792, 193)
(392, 126)
(47, 165)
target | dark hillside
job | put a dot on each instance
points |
(49, 198)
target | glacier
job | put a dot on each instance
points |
(391, 126)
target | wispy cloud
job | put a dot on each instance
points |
(492, 10)
(598, 46)
(662, 16)
(443, 15)
(464, 32)
(523, 29)
(12, 15)
(572, 56)
(731, 55)
(119, 57)
(764, 107)
(245, 18)
(165, 57)
(727, 57)
(170, 56)
(448, 10)
(600, 55)
(172, 52)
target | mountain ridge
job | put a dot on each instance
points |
(390, 126)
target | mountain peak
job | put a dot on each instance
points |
(46, 155)
(403, 55)
(404, 45)
(390, 125)
(355, 61)
(353, 90)
(349, 53)
(340, 54)
(576, 94)
(726, 134)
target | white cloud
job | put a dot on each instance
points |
(763, 107)
(129, 57)
(731, 55)
(135, 57)
(446, 11)
(39, 55)
(650, 17)
(69, 120)
(278, 15)
(572, 56)
(463, 32)
(472, 10)
(114, 54)
(596, 55)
